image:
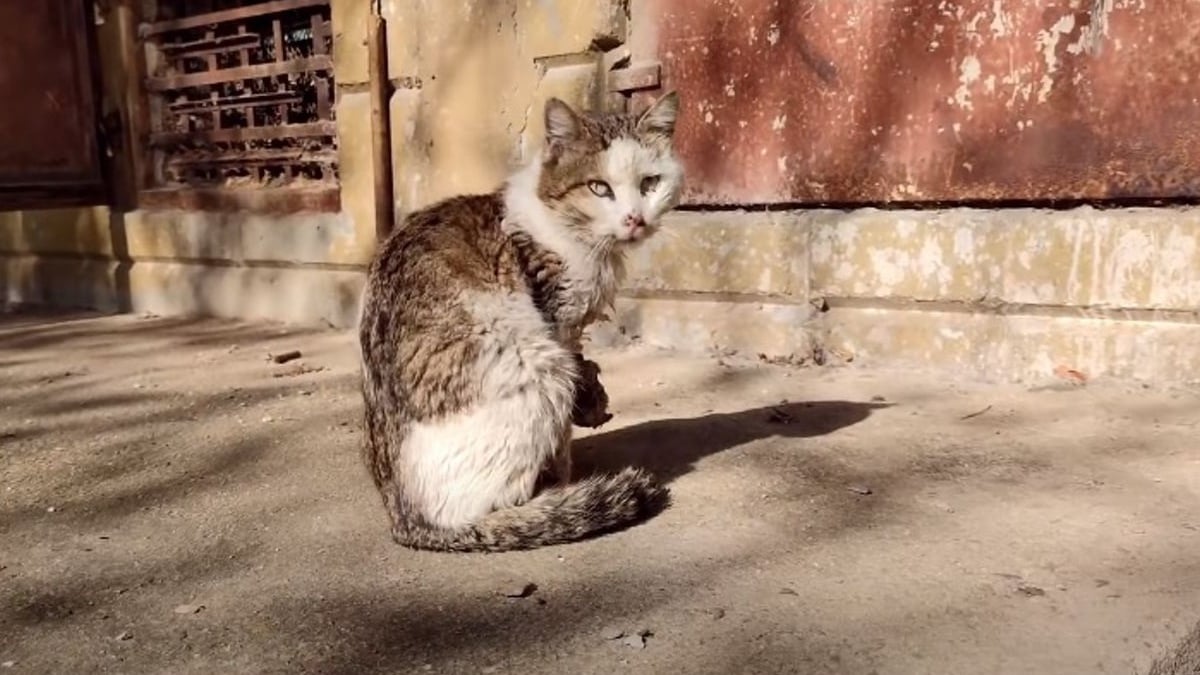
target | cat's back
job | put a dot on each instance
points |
(445, 248)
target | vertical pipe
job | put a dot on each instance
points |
(381, 135)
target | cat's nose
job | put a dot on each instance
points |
(634, 221)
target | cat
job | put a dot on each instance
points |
(1184, 659)
(471, 340)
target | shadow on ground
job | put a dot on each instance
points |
(670, 448)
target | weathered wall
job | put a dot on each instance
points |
(1005, 294)
(853, 102)
(806, 103)
(472, 78)
(302, 267)
(470, 81)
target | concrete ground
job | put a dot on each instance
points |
(173, 502)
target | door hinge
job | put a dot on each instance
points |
(111, 132)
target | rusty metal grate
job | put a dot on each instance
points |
(241, 95)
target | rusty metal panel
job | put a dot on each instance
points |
(846, 101)
(49, 148)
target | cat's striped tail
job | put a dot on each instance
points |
(557, 515)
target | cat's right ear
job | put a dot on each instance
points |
(660, 118)
(562, 124)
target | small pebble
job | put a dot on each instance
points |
(286, 356)
(124, 635)
(522, 591)
(189, 609)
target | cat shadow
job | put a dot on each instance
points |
(670, 448)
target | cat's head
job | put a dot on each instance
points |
(610, 176)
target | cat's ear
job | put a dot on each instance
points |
(660, 118)
(562, 124)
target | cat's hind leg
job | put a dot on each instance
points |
(488, 455)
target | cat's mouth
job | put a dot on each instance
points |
(634, 235)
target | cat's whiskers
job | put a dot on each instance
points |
(600, 249)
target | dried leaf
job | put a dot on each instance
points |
(778, 416)
(1070, 375)
(1029, 590)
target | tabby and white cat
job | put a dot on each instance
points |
(471, 329)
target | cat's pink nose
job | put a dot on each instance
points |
(634, 221)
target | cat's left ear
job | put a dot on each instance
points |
(660, 118)
(562, 124)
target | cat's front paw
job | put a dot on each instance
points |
(591, 400)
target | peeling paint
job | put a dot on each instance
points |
(969, 72)
(1092, 37)
(877, 127)
(1047, 42)
(1001, 22)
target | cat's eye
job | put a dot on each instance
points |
(649, 183)
(600, 189)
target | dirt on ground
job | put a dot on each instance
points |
(172, 500)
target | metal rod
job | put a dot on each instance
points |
(381, 136)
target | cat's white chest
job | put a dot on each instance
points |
(588, 290)
(586, 293)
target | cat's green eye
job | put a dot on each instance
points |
(649, 183)
(600, 189)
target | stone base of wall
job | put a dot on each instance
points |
(994, 294)
(999, 295)
(1019, 347)
(304, 268)
(309, 296)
